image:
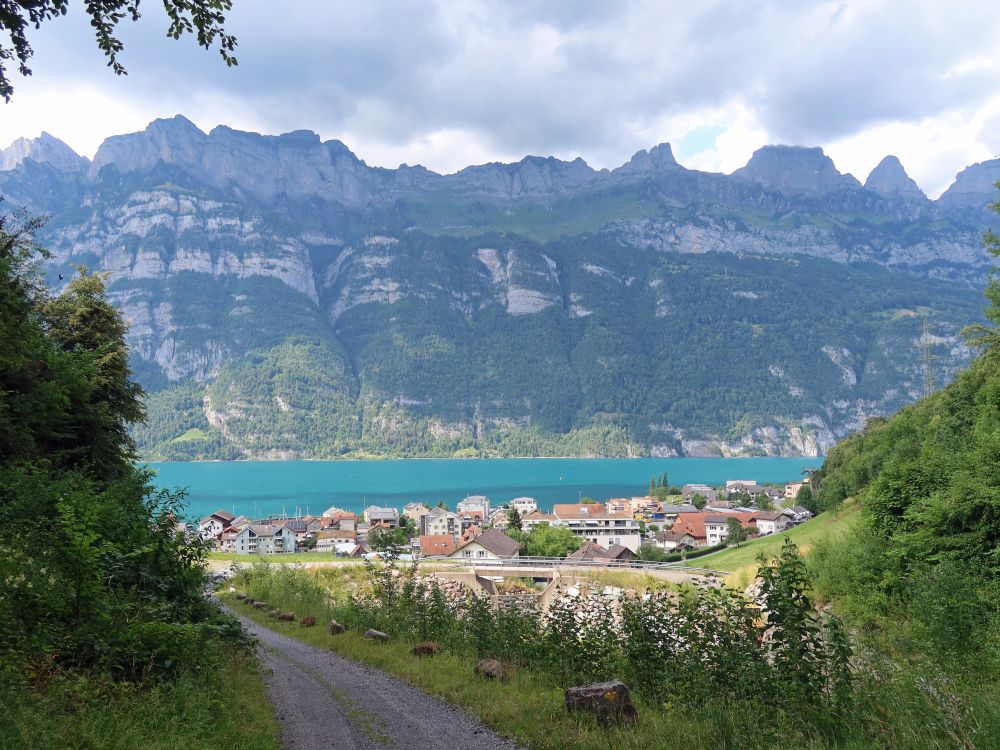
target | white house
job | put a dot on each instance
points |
(771, 522)
(536, 519)
(492, 544)
(413, 511)
(474, 503)
(524, 505)
(670, 540)
(605, 529)
(798, 513)
(211, 526)
(265, 539)
(717, 526)
(327, 541)
(438, 522)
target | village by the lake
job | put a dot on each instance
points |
(669, 524)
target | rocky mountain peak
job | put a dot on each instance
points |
(46, 149)
(890, 179)
(974, 186)
(172, 140)
(795, 170)
(658, 158)
(533, 176)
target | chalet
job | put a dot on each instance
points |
(387, 516)
(490, 545)
(772, 521)
(265, 539)
(348, 549)
(799, 514)
(227, 540)
(499, 517)
(212, 525)
(327, 541)
(595, 552)
(690, 491)
(341, 520)
(470, 533)
(437, 546)
(717, 526)
(671, 540)
(693, 525)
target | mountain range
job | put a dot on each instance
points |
(288, 300)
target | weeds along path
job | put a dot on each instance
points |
(323, 700)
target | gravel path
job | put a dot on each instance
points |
(323, 700)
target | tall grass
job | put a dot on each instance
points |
(196, 711)
(706, 669)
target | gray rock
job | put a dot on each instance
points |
(287, 616)
(376, 635)
(426, 648)
(335, 628)
(491, 669)
(609, 702)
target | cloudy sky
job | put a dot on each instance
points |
(450, 83)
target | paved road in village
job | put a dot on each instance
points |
(323, 700)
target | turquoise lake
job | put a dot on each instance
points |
(262, 488)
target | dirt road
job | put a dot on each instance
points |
(323, 700)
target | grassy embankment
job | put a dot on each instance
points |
(66, 710)
(530, 707)
(741, 562)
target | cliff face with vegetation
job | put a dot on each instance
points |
(285, 299)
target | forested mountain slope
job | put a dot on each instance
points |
(286, 299)
(924, 562)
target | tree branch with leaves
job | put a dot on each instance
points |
(204, 19)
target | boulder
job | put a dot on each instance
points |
(425, 648)
(260, 605)
(334, 628)
(491, 669)
(307, 622)
(609, 702)
(274, 612)
(376, 635)
(287, 616)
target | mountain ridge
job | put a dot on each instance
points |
(506, 309)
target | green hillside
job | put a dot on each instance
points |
(631, 352)
(831, 526)
(921, 567)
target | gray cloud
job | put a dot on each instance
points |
(556, 77)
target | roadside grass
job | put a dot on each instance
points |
(741, 562)
(196, 712)
(635, 580)
(530, 708)
(298, 557)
